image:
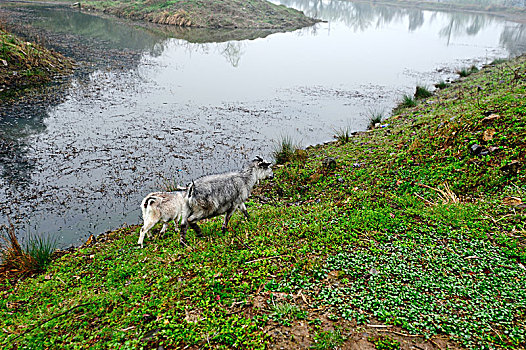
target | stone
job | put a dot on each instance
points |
(511, 168)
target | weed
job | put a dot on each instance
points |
(422, 92)
(464, 72)
(441, 85)
(285, 313)
(328, 339)
(34, 257)
(375, 117)
(343, 135)
(385, 343)
(285, 150)
(407, 102)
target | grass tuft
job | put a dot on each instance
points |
(422, 92)
(170, 185)
(34, 257)
(375, 117)
(406, 102)
(464, 72)
(385, 343)
(325, 340)
(441, 85)
(343, 135)
(285, 150)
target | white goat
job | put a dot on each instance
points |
(163, 206)
(214, 195)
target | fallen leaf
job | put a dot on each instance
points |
(513, 201)
(490, 118)
(488, 135)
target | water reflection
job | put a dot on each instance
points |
(362, 16)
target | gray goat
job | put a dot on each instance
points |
(163, 206)
(219, 194)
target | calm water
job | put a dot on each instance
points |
(165, 104)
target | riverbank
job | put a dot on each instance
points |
(233, 14)
(416, 237)
(26, 64)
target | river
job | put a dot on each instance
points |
(153, 105)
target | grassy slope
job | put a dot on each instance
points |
(255, 14)
(326, 252)
(26, 64)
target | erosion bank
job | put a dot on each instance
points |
(26, 64)
(415, 237)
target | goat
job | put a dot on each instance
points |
(163, 206)
(214, 195)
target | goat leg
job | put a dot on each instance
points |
(227, 217)
(184, 227)
(244, 210)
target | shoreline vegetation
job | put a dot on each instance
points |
(250, 14)
(412, 233)
(26, 64)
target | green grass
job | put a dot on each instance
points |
(409, 230)
(385, 343)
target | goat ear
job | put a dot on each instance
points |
(258, 159)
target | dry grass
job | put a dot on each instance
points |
(446, 194)
(16, 259)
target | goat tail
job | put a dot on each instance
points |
(147, 204)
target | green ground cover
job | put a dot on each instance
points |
(24, 64)
(417, 236)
